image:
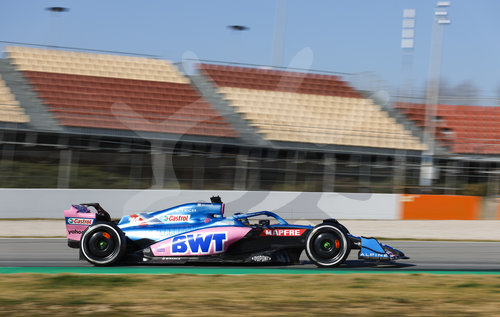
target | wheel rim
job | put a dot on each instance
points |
(101, 244)
(326, 245)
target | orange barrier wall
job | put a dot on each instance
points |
(498, 208)
(440, 207)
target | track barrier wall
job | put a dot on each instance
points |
(50, 203)
(440, 207)
(498, 208)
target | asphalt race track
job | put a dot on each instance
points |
(424, 255)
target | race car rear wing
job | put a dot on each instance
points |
(79, 217)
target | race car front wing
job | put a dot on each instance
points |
(372, 250)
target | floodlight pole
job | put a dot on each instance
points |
(407, 45)
(279, 34)
(432, 94)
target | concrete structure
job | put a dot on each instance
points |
(50, 203)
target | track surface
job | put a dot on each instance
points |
(425, 255)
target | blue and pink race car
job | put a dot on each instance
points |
(199, 233)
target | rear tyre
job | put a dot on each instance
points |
(328, 245)
(103, 243)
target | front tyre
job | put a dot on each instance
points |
(103, 243)
(328, 245)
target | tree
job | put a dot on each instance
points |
(444, 90)
(465, 93)
(466, 89)
(498, 95)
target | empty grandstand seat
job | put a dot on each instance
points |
(462, 129)
(118, 92)
(311, 108)
(10, 109)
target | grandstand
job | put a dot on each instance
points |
(308, 108)
(117, 92)
(75, 119)
(10, 111)
(462, 129)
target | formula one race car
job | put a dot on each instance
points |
(199, 232)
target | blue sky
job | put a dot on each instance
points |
(338, 36)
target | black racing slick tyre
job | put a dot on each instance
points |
(103, 243)
(328, 245)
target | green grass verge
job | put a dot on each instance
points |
(249, 295)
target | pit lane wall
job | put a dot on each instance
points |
(50, 203)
